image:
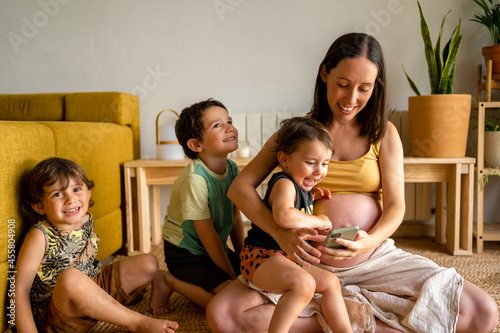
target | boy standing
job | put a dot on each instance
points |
(200, 217)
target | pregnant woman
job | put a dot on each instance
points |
(385, 289)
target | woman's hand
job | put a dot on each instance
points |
(361, 244)
(293, 242)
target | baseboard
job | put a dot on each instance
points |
(415, 230)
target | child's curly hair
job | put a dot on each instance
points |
(190, 124)
(296, 130)
(47, 173)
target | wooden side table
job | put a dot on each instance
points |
(139, 175)
(454, 178)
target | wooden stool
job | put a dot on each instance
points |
(491, 82)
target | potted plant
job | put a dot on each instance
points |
(439, 122)
(492, 141)
(490, 18)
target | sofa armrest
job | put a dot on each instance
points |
(116, 107)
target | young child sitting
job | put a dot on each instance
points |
(60, 284)
(199, 216)
(304, 149)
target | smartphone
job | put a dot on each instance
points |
(346, 233)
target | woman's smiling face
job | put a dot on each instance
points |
(349, 86)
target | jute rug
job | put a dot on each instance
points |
(481, 269)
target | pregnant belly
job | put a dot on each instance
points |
(348, 209)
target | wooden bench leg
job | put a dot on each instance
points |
(143, 208)
(453, 213)
(440, 223)
(156, 218)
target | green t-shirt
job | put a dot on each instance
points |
(199, 194)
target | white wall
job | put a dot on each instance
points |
(253, 55)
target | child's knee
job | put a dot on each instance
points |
(327, 281)
(148, 263)
(67, 281)
(333, 279)
(302, 281)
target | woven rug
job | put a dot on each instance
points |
(481, 269)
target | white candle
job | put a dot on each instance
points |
(167, 132)
(169, 152)
(243, 150)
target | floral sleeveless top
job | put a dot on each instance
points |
(63, 249)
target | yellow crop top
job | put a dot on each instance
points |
(358, 176)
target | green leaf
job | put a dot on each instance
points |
(492, 123)
(490, 18)
(410, 81)
(449, 67)
(437, 55)
(429, 52)
(447, 83)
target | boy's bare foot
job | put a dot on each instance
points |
(160, 294)
(150, 325)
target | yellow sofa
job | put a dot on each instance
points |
(99, 131)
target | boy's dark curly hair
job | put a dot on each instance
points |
(190, 124)
(47, 173)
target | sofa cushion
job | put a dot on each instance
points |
(109, 229)
(49, 107)
(113, 107)
(116, 107)
(28, 143)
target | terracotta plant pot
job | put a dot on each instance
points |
(439, 125)
(492, 149)
(492, 53)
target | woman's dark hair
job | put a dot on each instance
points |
(190, 124)
(373, 118)
(296, 130)
(47, 173)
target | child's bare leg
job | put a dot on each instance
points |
(160, 295)
(281, 275)
(76, 295)
(332, 304)
(166, 283)
(238, 308)
(136, 272)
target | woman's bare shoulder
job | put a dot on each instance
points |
(391, 139)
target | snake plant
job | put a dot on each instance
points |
(440, 64)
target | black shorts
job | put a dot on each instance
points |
(198, 270)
